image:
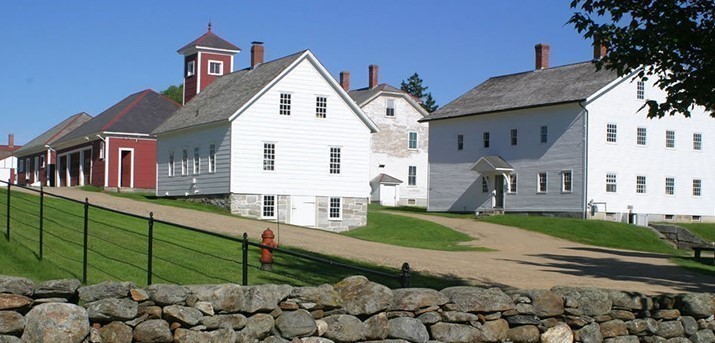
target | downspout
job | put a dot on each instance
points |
(585, 160)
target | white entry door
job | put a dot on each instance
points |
(303, 211)
(388, 195)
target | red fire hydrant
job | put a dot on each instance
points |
(267, 253)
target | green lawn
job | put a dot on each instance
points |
(420, 210)
(117, 250)
(411, 232)
(704, 230)
(181, 203)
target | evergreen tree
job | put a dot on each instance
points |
(175, 93)
(413, 85)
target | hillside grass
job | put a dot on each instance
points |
(118, 245)
(705, 230)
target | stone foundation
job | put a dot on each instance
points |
(354, 214)
(219, 200)
(250, 205)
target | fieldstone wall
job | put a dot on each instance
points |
(354, 214)
(681, 237)
(353, 310)
(220, 200)
(249, 205)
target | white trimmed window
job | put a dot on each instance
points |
(171, 164)
(412, 175)
(284, 109)
(567, 181)
(485, 137)
(697, 141)
(321, 107)
(641, 133)
(268, 210)
(485, 184)
(197, 161)
(541, 182)
(185, 162)
(460, 142)
(336, 208)
(412, 140)
(611, 133)
(215, 68)
(269, 156)
(640, 184)
(544, 134)
(640, 90)
(190, 68)
(334, 160)
(390, 108)
(513, 136)
(669, 139)
(697, 187)
(212, 158)
(512, 184)
(611, 183)
(669, 185)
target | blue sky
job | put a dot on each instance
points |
(64, 57)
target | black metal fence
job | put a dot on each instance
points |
(116, 242)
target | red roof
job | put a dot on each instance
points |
(209, 40)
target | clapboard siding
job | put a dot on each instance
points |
(206, 183)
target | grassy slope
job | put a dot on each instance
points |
(704, 230)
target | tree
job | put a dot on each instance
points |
(413, 86)
(175, 93)
(670, 40)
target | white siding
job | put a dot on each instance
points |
(206, 183)
(302, 142)
(627, 159)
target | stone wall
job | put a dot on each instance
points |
(219, 200)
(353, 310)
(354, 214)
(679, 236)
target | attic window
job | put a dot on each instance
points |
(191, 68)
(284, 104)
(390, 108)
(640, 91)
(215, 68)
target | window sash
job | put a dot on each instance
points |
(412, 140)
(184, 162)
(412, 175)
(269, 156)
(566, 181)
(669, 186)
(285, 102)
(670, 139)
(212, 158)
(513, 136)
(170, 171)
(697, 187)
(641, 135)
(611, 183)
(321, 107)
(611, 133)
(460, 142)
(512, 183)
(485, 184)
(541, 182)
(335, 211)
(697, 141)
(390, 108)
(640, 90)
(544, 134)
(640, 184)
(269, 206)
(334, 160)
(485, 137)
(197, 161)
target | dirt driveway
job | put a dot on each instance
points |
(522, 259)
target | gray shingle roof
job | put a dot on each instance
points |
(139, 113)
(222, 98)
(363, 94)
(386, 179)
(209, 40)
(55, 133)
(569, 83)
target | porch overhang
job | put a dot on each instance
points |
(385, 179)
(492, 165)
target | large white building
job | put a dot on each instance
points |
(279, 140)
(398, 157)
(574, 141)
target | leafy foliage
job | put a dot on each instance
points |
(413, 85)
(671, 40)
(175, 93)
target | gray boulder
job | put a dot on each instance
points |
(275, 339)
(622, 339)
(560, 333)
(226, 297)
(458, 317)
(107, 310)
(458, 333)
(363, 297)
(344, 328)
(182, 335)
(703, 336)
(116, 332)
(377, 327)
(187, 316)
(410, 329)
(430, 317)
(323, 295)
(257, 327)
(104, 290)
(590, 333)
(65, 288)
(11, 322)
(16, 285)
(698, 305)
(636, 326)
(474, 299)
(264, 297)
(591, 301)
(690, 325)
(524, 334)
(167, 294)
(613, 328)
(545, 303)
(495, 330)
(56, 322)
(523, 319)
(234, 321)
(9, 339)
(670, 329)
(297, 323)
(14, 302)
(154, 331)
(630, 300)
(412, 299)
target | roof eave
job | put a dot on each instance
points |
(501, 110)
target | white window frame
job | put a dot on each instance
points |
(641, 136)
(412, 143)
(611, 183)
(697, 141)
(390, 108)
(412, 175)
(269, 156)
(101, 150)
(611, 133)
(191, 68)
(544, 134)
(697, 187)
(220, 67)
(669, 189)
(539, 189)
(212, 158)
(284, 103)
(564, 181)
(321, 107)
(485, 184)
(513, 184)
(335, 156)
(670, 139)
(640, 90)
(170, 164)
(460, 142)
(197, 161)
(272, 206)
(641, 187)
(331, 208)
(184, 162)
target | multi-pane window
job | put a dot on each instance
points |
(611, 133)
(670, 139)
(697, 141)
(284, 104)
(335, 208)
(641, 133)
(212, 158)
(640, 91)
(485, 184)
(566, 181)
(390, 108)
(321, 107)
(697, 187)
(544, 134)
(669, 185)
(269, 156)
(640, 184)
(611, 183)
(21, 166)
(513, 136)
(512, 183)
(197, 161)
(269, 206)
(460, 142)
(171, 163)
(412, 140)
(541, 182)
(185, 162)
(334, 160)
(190, 68)
(215, 67)
(412, 175)
(485, 137)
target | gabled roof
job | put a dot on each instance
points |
(363, 96)
(139, 113)
(387, 179)
(569, 83)
(52, 135)
(211, 41)
(229, 94)
(491, 164)
(7, 151)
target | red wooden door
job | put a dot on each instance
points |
(126, 171)
(87, 167)
(74, 169)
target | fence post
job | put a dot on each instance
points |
(86, 222)
(244, 247)
(9, 184)
(42, 216)
(405, 275)
(150, 251)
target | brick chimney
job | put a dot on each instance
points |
(542, 56)
(600, 49)
(11, 140)
(256, 53)
(372, 75)
(345, 80)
